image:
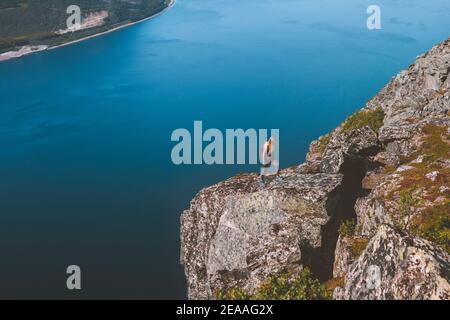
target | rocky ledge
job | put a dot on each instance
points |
(368, 212)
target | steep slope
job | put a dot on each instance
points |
(380, 181)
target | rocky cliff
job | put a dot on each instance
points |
(368, 211)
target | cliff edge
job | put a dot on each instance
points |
(368, 212)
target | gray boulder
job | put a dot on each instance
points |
(398, 266)
(239, 232)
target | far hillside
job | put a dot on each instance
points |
(36, 22)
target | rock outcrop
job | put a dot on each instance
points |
(398, 266)
(387, 167)
(239, 232)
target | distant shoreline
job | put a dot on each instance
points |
(27, 50)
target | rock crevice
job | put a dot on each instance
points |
(387, 168)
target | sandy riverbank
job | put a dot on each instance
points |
(26, 50)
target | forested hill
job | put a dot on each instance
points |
(35, 22)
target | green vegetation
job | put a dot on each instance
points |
(34, 22)
(282, 287)
(358, 245)
(435, 145)
(347, 228)
(432, 222)
(323, 143)
(434, 225)
(332, 284)
(233, 294)
(372, 118)
(408, 201)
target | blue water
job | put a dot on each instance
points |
(85, 170)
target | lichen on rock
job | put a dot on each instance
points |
(398, 266)
(387, 167)
(241, 231)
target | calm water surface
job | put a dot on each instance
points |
(85, 170)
